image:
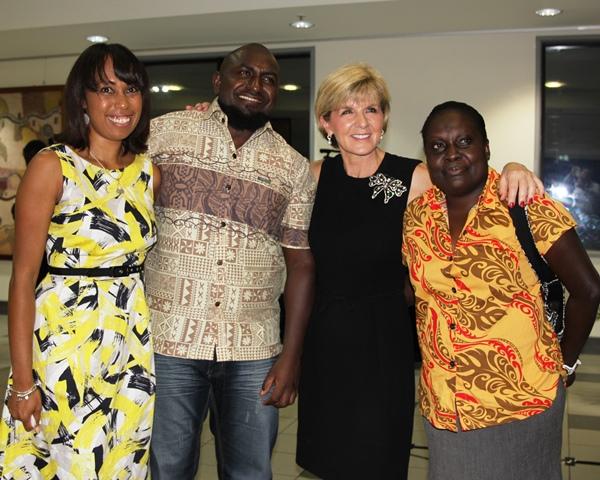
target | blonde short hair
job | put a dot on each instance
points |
(353, 80)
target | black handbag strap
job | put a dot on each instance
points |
(523, 230)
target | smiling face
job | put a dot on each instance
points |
(114, 107)
(357, 125)
(248, 81)
(457, 154)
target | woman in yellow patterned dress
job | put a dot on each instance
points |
(80, 399)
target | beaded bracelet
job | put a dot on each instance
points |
(24, 395)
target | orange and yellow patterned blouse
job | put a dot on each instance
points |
(489, 356)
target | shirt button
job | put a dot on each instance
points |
(219, 262)
(452, 364)
(450, 258)
(453, 290)
(234, 155)
(217, 304)
(223, 224)
(453, 326)
(223, 120)
(227, 187)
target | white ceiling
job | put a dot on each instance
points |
(40, 28)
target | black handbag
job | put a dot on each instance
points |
(552, 288)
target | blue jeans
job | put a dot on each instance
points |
(245, 430)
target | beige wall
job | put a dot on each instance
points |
(493, 72)
(35, 72)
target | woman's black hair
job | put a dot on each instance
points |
(85, 75)
(31, 148)
(459, 107)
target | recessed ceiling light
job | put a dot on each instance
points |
(560, 48)
(166, 88)
(301, 23)
(554, 84)
(290, 87)
(548, 12)
(97, 39)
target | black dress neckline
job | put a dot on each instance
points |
(357, 179)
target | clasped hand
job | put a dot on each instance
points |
(27, 410)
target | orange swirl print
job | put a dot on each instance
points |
(555, 217)
(489, 356)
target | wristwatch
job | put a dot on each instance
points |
(571, 370)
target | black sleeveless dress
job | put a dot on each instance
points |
(356, 400)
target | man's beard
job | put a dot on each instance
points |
(241, 121)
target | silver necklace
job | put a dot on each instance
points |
(119, 190)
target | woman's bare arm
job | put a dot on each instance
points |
(36, 198)
(572, 265)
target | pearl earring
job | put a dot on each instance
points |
(329, 136)
(86, 118)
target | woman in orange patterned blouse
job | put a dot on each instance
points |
(490, 387)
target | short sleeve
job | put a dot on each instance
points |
(296, 219)
(156, 127)
(174, 132)
(549, 220)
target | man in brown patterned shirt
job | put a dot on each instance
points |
(233, 216)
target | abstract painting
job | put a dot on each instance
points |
(25, 114)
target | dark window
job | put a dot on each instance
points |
(570, 156)
(290, 118)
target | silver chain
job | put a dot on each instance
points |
(108, 172)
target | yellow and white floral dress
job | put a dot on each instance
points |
(92, 352)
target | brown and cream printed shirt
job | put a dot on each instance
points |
(489, 355)
(215, 275)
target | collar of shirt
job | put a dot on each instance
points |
(488, 200)
(214, 111)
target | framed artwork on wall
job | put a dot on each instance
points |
(26, 114)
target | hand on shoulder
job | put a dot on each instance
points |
(198, 107)
(518, 185)
(421, 182)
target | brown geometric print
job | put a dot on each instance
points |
(225, 197)
(489, 355)
(215, 276)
